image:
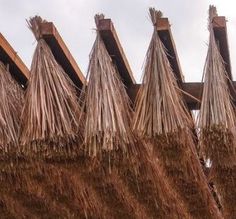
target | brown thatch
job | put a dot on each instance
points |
(217, 125)
(11, 95)
(161, 116)
(135, 185)
(44, 190)
(150, 185)
(50, 117)
(107, 123)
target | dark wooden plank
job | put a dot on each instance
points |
(165, 34)
(16, 66)
(62, 53)
(192, 93)
(115, 50)
(195, 90)
(220, 31)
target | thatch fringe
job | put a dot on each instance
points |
(50, 118)
(161, 116)
(11, 95)
(217, 124)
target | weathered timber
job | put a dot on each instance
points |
(16, 66)
(115, 50)
(62, 53)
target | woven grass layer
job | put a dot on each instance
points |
(132, 191)
(77, 190)
(162, 118)
(111, 190)
(183, 168)
(152, 188)
(217, 125)
(223, 171)
(42, 190)
(50, 117)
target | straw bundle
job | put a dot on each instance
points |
(217, 124)
(158, 88)
(50, 117)
(11, 95)
(107, 120)
(161, 116)
(135, 185)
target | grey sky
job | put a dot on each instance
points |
(74, 21)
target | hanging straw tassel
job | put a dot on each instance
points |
(107, 110)
(162, 118)
(217, 124)
(50, 118)
(11, 96)
(159, 89)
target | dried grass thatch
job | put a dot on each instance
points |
(11, 95)
(50, 117)
(107, 120)
(151, 187)
(161, 116)
(140, 192)
(40, 190)
(135, 185)
(217, 124)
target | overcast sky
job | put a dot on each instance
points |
(74, 21)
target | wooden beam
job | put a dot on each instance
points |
(165, 34)
(115, 50)
(192, 93)
(194, 89)
(16, 66)
(62, 53)
(220, 31)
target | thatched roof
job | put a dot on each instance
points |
(83, 188)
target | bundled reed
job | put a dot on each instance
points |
(11, 95)
(50, 118)
(106, 123)
(135, 183)
(217, 124)
(162, 118)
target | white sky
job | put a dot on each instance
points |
(74, 21)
